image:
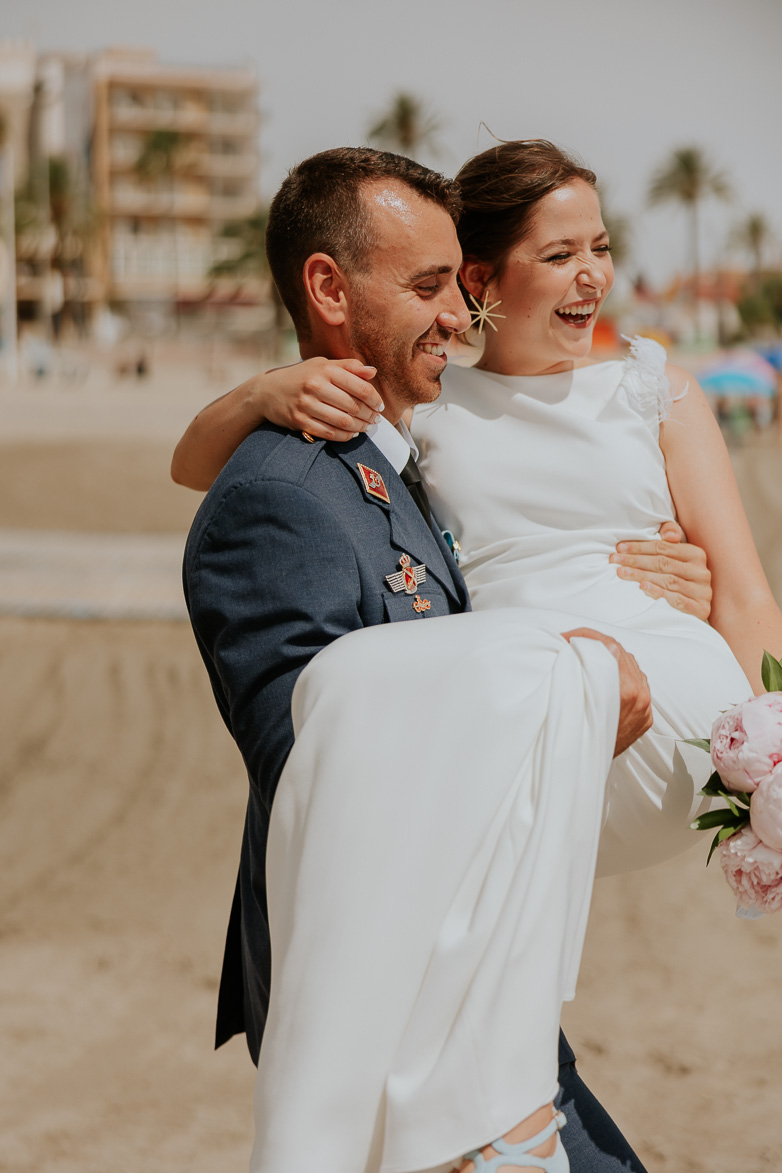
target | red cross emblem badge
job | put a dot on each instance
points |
(373, 483)
(409, 578)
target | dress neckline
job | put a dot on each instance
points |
(555, 375)
(554, 389)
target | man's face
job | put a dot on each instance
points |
(404, 311)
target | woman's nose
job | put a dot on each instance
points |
(592, 274)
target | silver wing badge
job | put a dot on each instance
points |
(409, 578)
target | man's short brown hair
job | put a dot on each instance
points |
(319, 209)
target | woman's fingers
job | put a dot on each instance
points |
(337, 400)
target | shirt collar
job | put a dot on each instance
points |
(395, 443)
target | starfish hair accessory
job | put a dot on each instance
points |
(482, 314)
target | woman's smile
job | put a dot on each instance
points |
(552, 286)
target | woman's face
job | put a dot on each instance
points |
(552, 287)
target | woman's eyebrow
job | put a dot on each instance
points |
(568, 240)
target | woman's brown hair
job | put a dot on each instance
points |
(500, 190)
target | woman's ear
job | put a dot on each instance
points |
(475, 276)
(326, 289)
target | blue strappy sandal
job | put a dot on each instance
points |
(519, 1155)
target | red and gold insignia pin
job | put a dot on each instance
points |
(409, 578)
(374, 484)
(420, 605)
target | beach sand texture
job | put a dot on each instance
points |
(121, 806)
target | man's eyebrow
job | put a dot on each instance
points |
(434, 271)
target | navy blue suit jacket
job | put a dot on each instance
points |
(289, 551)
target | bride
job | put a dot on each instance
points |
(539, 463)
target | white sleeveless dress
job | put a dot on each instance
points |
(539, 478)
(434, 835)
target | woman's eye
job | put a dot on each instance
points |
(603, 248)
(559, 257)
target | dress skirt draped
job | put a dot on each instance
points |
(430, 864)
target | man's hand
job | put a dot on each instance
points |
(669, 568)
(635, 701)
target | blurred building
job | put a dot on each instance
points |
(94, 226)
(162, 226)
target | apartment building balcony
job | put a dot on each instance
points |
(239, 166)
(238, 207)
(146, 118)
(128, 201)
(187, 121)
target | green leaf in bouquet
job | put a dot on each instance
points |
(771, 673)
(721, 818)
(715, 787)
(720, 837)
(700, 742)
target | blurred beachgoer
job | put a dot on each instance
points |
(296, 544)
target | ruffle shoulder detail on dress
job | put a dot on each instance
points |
(645, 381)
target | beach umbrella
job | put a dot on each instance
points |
(743, 373)
(772, 353)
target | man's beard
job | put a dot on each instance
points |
(394, 362)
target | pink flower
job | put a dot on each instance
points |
(753, 871)
(765, 810)
(746, 742)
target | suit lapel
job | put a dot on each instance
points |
(409, 532)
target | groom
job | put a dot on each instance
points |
(300, 541)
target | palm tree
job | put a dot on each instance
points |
(620, 234)
(250, 261)
(405, 127)
(687, 178)
(754, 235)
(8, 234)
(163, 157)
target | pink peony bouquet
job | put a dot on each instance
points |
(746, 752)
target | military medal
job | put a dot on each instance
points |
(373, 483)
(421, 605)
(409, 578)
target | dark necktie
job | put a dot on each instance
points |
(411, 477)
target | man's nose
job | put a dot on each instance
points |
(455, 316)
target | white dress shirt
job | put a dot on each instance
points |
(395, 443)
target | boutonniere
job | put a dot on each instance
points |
(452, 544)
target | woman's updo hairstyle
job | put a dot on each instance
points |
(500, 190)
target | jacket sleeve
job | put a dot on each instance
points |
(272, 580)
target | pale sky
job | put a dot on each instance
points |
(620, 82)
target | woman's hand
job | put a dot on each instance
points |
(331, 399)
(668, 568)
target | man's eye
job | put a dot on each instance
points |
(603, 248)
(427, 290)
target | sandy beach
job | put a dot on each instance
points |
(121, 807)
